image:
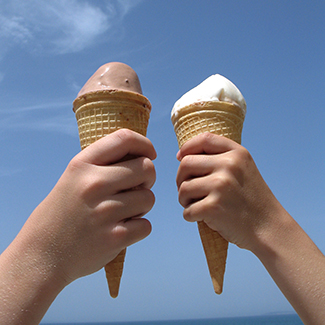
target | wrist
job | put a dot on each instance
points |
(277, 233)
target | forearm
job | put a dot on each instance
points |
(297, 266)
(28, 284)
(80, 226)
(219, 183)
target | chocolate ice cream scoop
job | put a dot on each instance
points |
(113, 75)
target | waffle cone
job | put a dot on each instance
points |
(98, 114)
(224, 119)
(114, 271)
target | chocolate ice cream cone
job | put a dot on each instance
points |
(98, 114)
(114, 271)
(102, 112)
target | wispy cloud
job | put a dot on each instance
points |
(58, 26)
(48, 117)
(54, 27)
(7, 171)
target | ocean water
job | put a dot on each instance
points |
(253, 320)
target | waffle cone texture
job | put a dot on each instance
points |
(224, 119)
(98, 114)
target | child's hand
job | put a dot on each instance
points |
(96, 208)
(219, 183)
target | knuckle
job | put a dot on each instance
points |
(242, 156)
(236, 158)
(242, 153)
(208, 207)
(187, 162)
(222, 182)
(149, 199)
(149, 172)
(148, 167)
(246, 156)
(236, 164)
(207, 137)
(233, 162)
(106, 207)
(145, 200)
(194, 213)
(188, 216)
(90, 187)
(183, 194)
(76, 163)
(86, 182)
(124, 134)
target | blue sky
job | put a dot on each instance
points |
(272, 50)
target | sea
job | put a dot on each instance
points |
(252, 320)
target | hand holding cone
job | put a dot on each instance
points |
(224, 119)
(100, 112)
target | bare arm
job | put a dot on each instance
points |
(219, 183)
(297, 266)
(92, 213)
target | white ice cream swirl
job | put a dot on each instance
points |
(215, 88)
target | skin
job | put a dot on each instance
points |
(93, 212)
(96, 209)
(219, 183)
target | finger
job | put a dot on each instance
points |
(202, 210)
(126, 205)
(131, 231)
(115, 146)
(206, 143)
(193, 191)
(139, 172)
(193, 212)
(193, 166)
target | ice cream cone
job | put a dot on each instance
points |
(102, 112)
(114, 271)
(98, 114)
(224, 119)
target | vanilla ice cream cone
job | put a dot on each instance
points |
(221, 118)
(111, 99)
(211, 113)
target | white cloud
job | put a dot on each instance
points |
(45, 117)
(121, 7)
(58, 26)
(14, 29)
(7, 171)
